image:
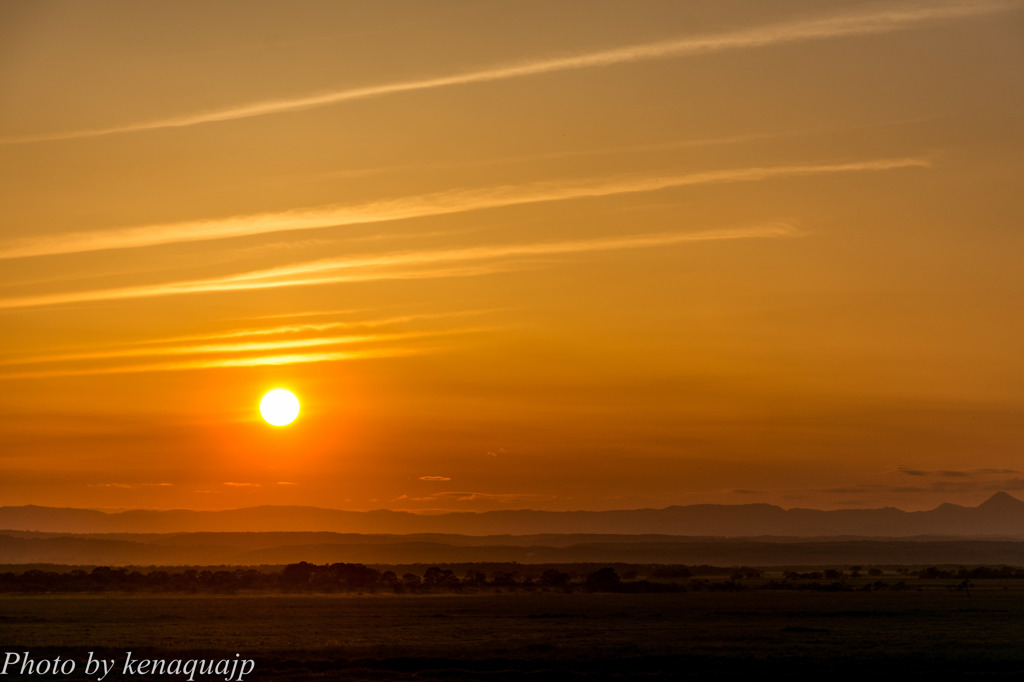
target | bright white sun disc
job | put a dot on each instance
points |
(279, 407)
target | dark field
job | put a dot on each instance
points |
(936, 633)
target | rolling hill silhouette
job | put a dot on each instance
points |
(757, 534)
(1000, 516)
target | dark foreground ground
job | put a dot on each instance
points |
(939, 634)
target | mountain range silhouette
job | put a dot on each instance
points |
(1001, 516)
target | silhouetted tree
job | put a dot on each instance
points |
(553, 578)
(474, 578)
(355, 576)
(439, 577)
(504, 579)
(603, 580)
(390, 580)
(297, 575)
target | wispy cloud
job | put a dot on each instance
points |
(249, 347)
(130, 486)
(94, 360)
(235, 348)
(875, 21)
(318, 326)
(435, 478)
(303, 313)
(420, 206)
(457, 496)
(955, 473)
(153, 346)
(927, 481)
(393, 266)
(198, 363)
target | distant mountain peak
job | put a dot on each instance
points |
(1001, 500)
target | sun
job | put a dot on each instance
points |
(279, 407)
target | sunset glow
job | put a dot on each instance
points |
(571, 255)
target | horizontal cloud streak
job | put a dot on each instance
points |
(441, 203)
(458, 496)
(129, 485)
(229, 348)
(290, 329)
(392, 266)
(851, 24)
(219, 363)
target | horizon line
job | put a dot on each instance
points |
(441, 512)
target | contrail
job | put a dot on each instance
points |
(405, 208)
(258, 361)
(242, 348)
(228, 340)
(885, 20)
(395, 266)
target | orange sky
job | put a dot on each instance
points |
(579, 254)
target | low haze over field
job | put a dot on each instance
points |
(582, 254)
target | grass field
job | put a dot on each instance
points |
(548, 635)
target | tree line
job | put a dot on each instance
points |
(305, 577)
(312, 578)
